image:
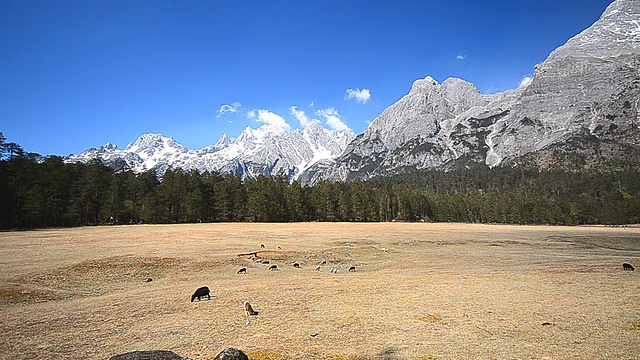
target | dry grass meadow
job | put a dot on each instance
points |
(420, 291)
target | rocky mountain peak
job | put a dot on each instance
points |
(222, 143)
(421, 111)
(109, 147)
(153, 141)
(587, 94)
(424, 85)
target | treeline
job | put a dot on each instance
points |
(40, 191)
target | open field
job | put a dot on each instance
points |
(420, 291)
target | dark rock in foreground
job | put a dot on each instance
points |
(148, 355)
(231, 354)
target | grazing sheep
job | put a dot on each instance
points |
(353, 268)
(626, 266)
(273, 267)
(318, 268)
(324, 262)
(265, 261)
(258, 260)
(201, 292)
(296, 265)
(248, 310)
(242, 271)
(279, 247)
(262, 246)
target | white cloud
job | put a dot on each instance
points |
(269, 118)
(313, 102)
(332, 118)
(525, 81)
(461, 57)
(302, 117)
(361, 96)
(228, 108)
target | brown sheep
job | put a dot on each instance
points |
(248, 310)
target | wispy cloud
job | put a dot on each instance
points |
(233, 108)
(361, 96)
(312, 103)
(269, 118)
(304, 119)
(525, 81)
(332, 118)
(461, 57)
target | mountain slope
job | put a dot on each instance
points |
(586, 92)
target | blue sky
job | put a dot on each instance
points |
(79, 74)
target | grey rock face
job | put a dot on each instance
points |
(584, 98)
(584, 87)
(415, 120)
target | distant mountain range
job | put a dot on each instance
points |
(267, 150)
(579, 110)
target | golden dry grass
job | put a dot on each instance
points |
(420, 291)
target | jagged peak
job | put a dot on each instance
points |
(110, 146)
(246, 135)
(313, 126)
(152, 140)
(222, 143)
(450, 86)
(453, 83)
(427, 83)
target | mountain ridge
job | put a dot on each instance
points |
(266, 150)
(586, 92)
(582, 103)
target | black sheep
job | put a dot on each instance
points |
(201, 292)
(626, 266)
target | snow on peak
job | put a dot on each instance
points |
(267, 150)
(222, 143)
(110, 147)
(154, 142)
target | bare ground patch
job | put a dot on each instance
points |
(95, 277)
(420, 291)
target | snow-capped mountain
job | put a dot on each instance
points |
(581, 108)
(267, 150)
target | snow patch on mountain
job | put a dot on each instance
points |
(268, 150)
